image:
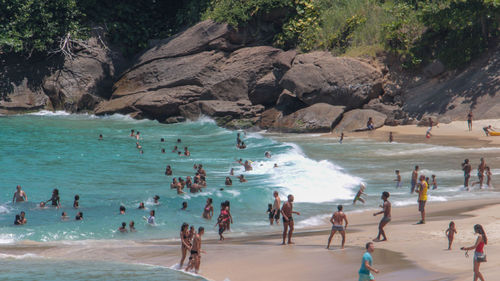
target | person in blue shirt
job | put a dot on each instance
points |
(366, 264)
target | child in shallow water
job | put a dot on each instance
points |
(450, 233)
(434, 182)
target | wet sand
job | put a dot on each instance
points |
(413, 252)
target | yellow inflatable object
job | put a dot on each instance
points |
(494, 133)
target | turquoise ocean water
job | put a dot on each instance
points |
(46, 150)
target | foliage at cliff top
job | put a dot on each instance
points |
(454, 31)
(29, 27)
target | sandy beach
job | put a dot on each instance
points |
(413, 252)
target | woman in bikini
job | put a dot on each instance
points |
(479, 255)
(185, 242)
(208, 212)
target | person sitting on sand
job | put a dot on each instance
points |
(370, 124)
(122, 210)
(79, 216)
(242, 178)
(195, 259)
(479, 255)
(359, 193)
(450, 233)
(123, 228)
(288, 224)
(131, 226)
(228, 181)
(76, 203)
(366, 264)
(487, 130)
(168, 170)
(337, 221)
(386, 210)
(19, 195)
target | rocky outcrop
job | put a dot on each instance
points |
(319, 77)
(355, 120)
(59, 83)
(317, 118)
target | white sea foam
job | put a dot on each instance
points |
(313, 221)
(4, 209)
(7, 238)
(50, 113)
(19, 257)
(307, 179)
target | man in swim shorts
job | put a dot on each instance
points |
(276, 207)
(466, 167)
(337, 220)
(386, 210)
(286, 212)
(366, 264)
(422, 198)
(414, 177)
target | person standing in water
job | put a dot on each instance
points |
(196, 251)
(55, 198)
(414, 177)
(276, 208)
(466, 167)
(208, 211)
(366, 264)
(19, 195)
(386, 210)
(341, 137)
(337, 221)
(398, 179)
(287, 212)
(185, 242)
(391, 138)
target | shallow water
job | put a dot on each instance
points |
(45, 151)
(31, 267)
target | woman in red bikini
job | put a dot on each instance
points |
(479, 254)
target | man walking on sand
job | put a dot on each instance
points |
(286, 212)
(386, 210)
(422, 198)
(337, 220)
(366, 264)
(414, 177)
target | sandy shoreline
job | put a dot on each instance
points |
(413, 252)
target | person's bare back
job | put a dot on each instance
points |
(338, 218)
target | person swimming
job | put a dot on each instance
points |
(64, 216)
(168, 170)
(122, 210)
(141, 205)
(79, 216)
(151, 218)
(123, 228)
(228, 181)
(131, 226)
(76, 203)
(242, 178)
(156, 198)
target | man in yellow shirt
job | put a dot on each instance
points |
(422, 197)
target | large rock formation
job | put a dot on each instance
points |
(317, 118)
(320, 77)
(355, 120)
(57, 83)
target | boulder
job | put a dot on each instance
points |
(434, 69)
(289, 103)
(355, 120)
(21, 97)
(268, 117)
(319, 77)
(230, 89)
(216, 108)
(317, 118)
(266, 91)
